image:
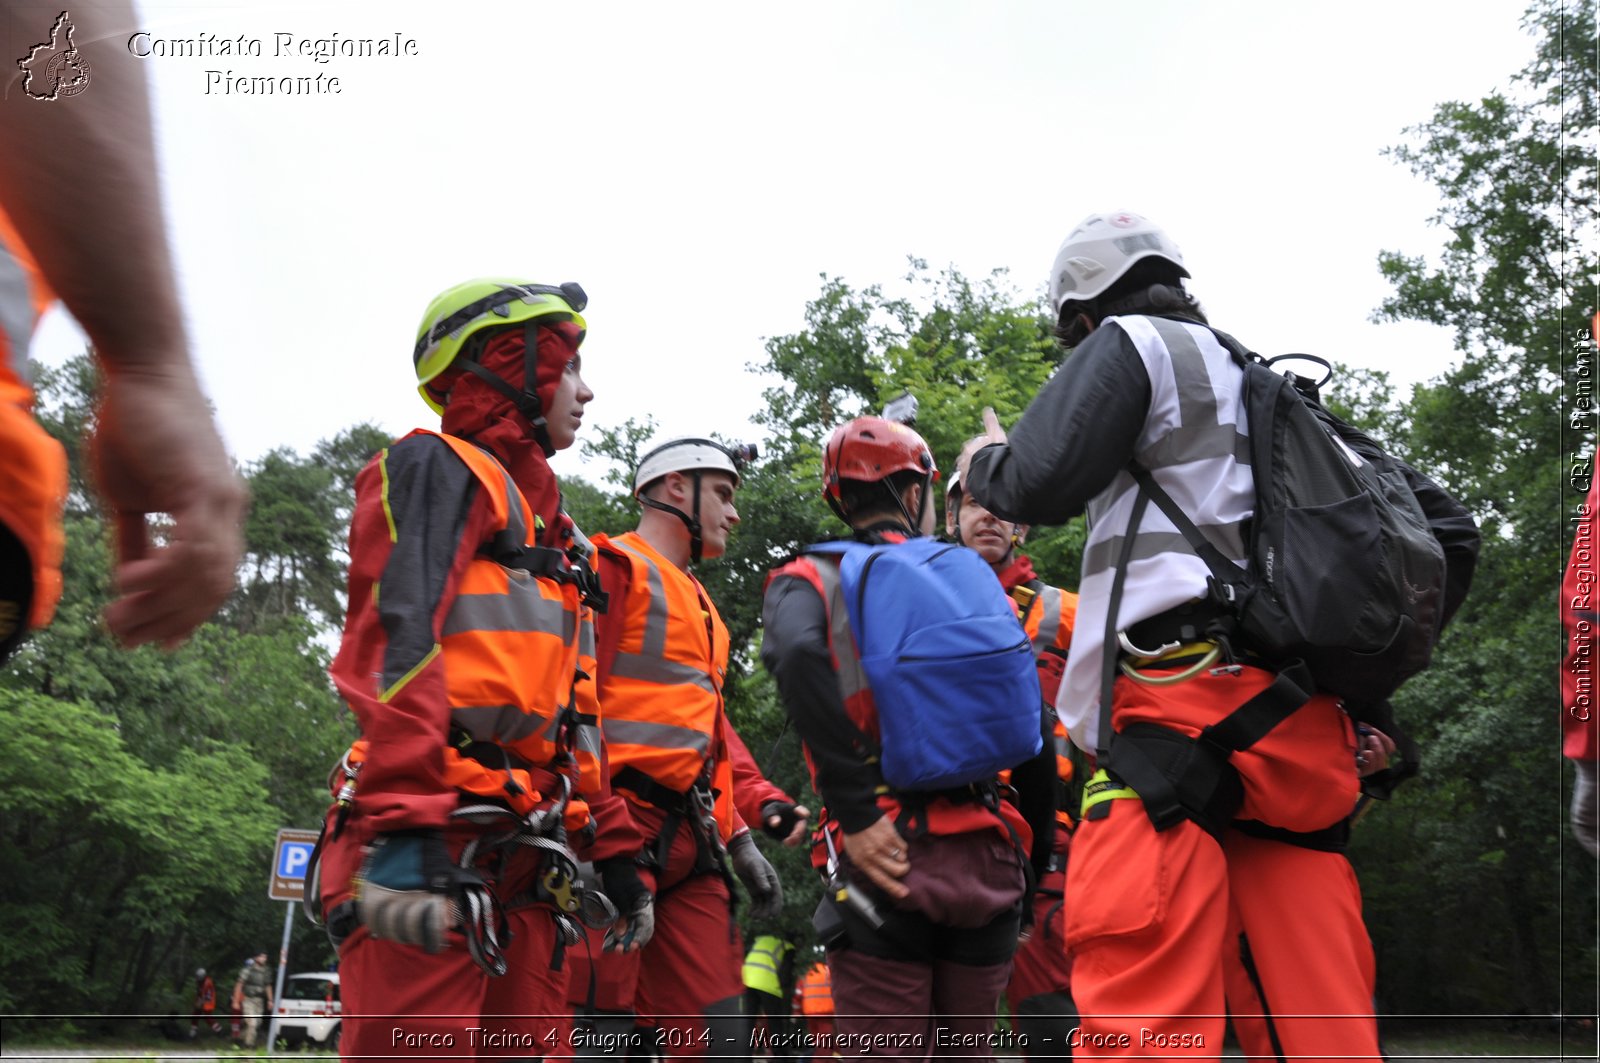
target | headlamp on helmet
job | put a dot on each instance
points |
(458, 313)
(903, 410)
(692, 456)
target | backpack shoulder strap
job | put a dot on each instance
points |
(1227, 578)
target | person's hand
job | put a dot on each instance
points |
(766, 890)
(1585, 821)
(992, 433)
(156, 450)
(634, 928)
(785, 821)
(405, 890)
(1373, 750)
(880, 853)
(991, 426)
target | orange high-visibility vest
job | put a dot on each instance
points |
(1048, 619)
(33, 476)
(518, 654)
(816, 991)
(663, 691)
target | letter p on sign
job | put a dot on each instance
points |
(290, 861)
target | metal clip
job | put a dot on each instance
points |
(1129, 648)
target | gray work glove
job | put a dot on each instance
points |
(408, 889)
(766, 891)
(1585, 822)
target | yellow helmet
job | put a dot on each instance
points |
(457, 313)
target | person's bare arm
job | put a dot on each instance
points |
(78, 180)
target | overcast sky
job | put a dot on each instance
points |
(697, 166)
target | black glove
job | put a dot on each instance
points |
(766, 891)
(636, 921)
(620, 881)
(787, 818)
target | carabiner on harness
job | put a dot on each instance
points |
(1209, 649)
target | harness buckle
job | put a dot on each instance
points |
(557, 886)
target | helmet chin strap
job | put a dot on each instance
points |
(913, 525)
(527, 400)
(690, 522)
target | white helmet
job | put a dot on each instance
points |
(689, 454)
(200, 972)
(1100, 249)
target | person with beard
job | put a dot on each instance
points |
(1039, 993)
(448, 872)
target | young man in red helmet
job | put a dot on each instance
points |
(448, 872)
(1148, 906)
(1039, 993)
(674, 757)
(943, 873)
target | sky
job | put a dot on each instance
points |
(699, 166)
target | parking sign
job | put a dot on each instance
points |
(289, 863)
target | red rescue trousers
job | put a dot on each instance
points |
(686, 984)
(1040, 991)
(1148, 922)
(401, 1002)
(1304, 1007)
(1042, 964)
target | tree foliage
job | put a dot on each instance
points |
(140, 791)
(1478, 840)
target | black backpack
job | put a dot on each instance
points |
(1346, 573)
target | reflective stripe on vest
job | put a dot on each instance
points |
(651, 664)
(1195, 442)
(16, 313)
(852, 680)
(761, 964)
(816, 991)
(516, 646)
(1048, 627)
(663, 690)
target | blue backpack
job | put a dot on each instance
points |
(950, 668)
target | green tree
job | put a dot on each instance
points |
(957, 345)
(1476, 842)
(141, 789)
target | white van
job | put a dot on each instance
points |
(309, 1010)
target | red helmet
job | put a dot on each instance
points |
(870, 449)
